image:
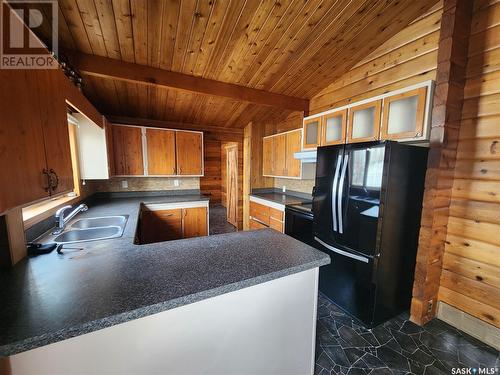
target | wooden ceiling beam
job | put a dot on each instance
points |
(170, 124)
(124, 71)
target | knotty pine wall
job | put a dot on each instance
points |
(470, 278)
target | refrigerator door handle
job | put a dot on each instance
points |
(342, 252)
(341, 192)
(334, 192)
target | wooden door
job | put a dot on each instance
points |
(267, 156)
(194, 222)
(160, 151)
(232, 185)
(162, 225)
(22, 151)
(127, 151)
(54, 119)
(404, 114)
(293, 145)
(279, 155)
(189, 149)
(334, 128)
(312, 132)
(364, 122)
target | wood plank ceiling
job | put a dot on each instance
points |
(291, 47)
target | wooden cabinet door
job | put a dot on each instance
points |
(312, 133)
(364, 122)
(280, 155)
(189, 149)
(256, 225)
(160, 151)
(22, 151)
(127, 151)
(293, 145)
(404, 114)
(268, 156)
(194, 222)
(162, 225)
(54, 121)
(334, 128)
(276, 225)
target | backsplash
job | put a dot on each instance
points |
(304, 186)
(143, 184)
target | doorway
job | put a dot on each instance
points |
(232, 184)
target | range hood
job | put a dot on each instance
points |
(306, 156)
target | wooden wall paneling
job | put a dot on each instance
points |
(161, 152)
(211, 182)
(446, 114)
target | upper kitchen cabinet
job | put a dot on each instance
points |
(278, 154)
(403, 116)
(127, 151)
(35, 156)
(268, 156)
(312, 133)
(334, 128)
(161, 152)
(189, 152)
(364, 122)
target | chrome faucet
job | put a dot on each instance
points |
(61, 220)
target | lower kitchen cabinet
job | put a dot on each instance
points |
(158, 225)
(264, 216)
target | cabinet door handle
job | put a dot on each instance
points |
(47, 187)
(54, 182)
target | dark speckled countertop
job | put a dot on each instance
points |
(53, 297)
(277, 196)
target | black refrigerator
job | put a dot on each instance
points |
(367, 203)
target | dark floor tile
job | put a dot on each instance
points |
(405, 341)
(337, 355)
(420, 357)
(380, 371)
(352, 337)
(393, 359)
(368, 336)
(325, 362)
(382, 334)
(410, 327)
(372, 361)
(353, 354)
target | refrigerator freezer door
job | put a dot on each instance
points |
(328, 169)
(359, 196)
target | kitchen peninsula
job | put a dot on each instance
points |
(179, 306)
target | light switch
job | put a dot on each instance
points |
(177, 182)
(124, 184)
(283, 189)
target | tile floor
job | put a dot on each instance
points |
(218, 222)
(395, 347)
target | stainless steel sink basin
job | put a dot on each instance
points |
(89, 234)
(105, 221)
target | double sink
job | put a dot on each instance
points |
(92, 229)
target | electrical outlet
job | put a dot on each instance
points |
(283, 189)
(177, 182)
(124, 184)
(430, 303)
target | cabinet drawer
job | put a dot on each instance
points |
(256, 225)
(275, 214)
(276, 224)
(260, 212)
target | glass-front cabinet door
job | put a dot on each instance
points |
(364, 122)
(403, 116)
(312, 133)
(334, 128)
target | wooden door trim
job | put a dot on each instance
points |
(228, 148)
(377, 104)
(343, 113)
(421, 94)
